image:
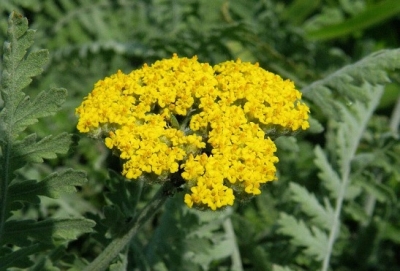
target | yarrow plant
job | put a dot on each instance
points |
(194, 138)
(210, 127)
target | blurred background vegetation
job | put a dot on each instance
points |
(301, 40)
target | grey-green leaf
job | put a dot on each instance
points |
(328, 175)
(314, 240)
(49, 231)
(19, 68)
(47, 148)
(52, 186)
(347, 83)
(321, 216)
(46, 103)
(20, 258)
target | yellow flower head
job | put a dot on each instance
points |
(207, 123)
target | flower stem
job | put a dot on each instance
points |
(236, 259)
(119, 242)
(395, 119)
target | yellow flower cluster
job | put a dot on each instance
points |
(207, 123)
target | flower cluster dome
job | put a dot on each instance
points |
(209, 124)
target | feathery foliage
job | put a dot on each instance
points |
(353, 112)
(348, 83)
(336, 195)
(20, 238)
(191, 239)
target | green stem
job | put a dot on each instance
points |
(119, 242)
(236, 259)
(9, 93)
(4, 180)
(395, 119)
(370, 202)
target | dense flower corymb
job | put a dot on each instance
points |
(212, 125)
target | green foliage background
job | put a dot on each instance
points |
(335, 203)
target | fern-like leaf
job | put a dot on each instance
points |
(321, 216)
(348, 82)
(46, 103)
(348, 137)
(328, 175)
(360, 87)
(314, 240)
(34, 151)
(18, 150)
(330, 178)
(195, 238)
(53, 186)
(20, 257)
(48, 231)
